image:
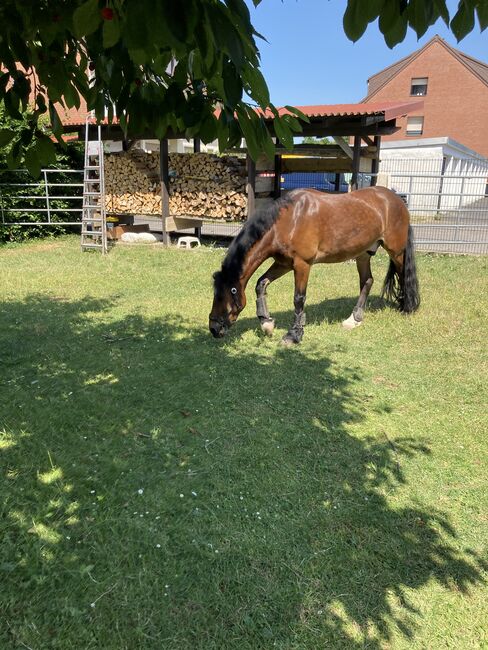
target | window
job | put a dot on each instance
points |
(415, 125)
(419, 86)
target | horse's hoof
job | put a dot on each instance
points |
(351, 323)
(288, 341)
(268, 326)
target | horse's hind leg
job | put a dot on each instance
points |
(274, 272)
(295, 333)
(363, 263)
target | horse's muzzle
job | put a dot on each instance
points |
(217, 329)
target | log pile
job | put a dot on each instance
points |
(201, 185)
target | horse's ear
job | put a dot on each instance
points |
(218, 281)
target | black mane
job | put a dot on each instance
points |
(253, 230)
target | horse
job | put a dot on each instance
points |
(306, 227)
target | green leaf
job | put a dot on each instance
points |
(389, 16)
(14, 155)
(418, 16)
(56, 124)
(86, 18)
(482, 13)
(136, 36)
(110, 32)
(226, 37)
(208, 129)
(463, 21)
(232, 84)
(283, 132)
(397, 32)
(298, 113)
(442, 11)
(256, 85)
(266, 141)
(249, 132)
(6, 136)
(32, 162)
(222, 132)
(292, 123)
(355, 19)
(12, 104)
(46, 150)
(71, 97)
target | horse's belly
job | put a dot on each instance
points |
(339, 245)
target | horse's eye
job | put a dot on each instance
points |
(233, 291)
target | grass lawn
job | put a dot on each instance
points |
(163, 490)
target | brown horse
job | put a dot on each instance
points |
(306, 227)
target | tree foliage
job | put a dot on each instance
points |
(395, 16)
(190, 67)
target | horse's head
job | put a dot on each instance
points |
(229, 301)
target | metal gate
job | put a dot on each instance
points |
(55, 199)
(447, 198)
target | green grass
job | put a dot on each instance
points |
(160, 489)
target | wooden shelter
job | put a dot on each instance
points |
(356, 130)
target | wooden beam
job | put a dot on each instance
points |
(164, 174)
(343, 145)
(337, 183)
(316, 165)
(277, 176)
(375, 164)
(251, 186)
(350, 129)
(368, 141)
(319, 151)
(355, 162)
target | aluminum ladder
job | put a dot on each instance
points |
(93, 222)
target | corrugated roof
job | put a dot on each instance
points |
(389, 110)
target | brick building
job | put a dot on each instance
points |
(454, 87)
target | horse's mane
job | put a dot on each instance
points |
(253, 230)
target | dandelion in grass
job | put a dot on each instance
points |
(140, 491)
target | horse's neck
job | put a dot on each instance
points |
(254, 258)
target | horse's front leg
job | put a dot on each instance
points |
(274, 272)
(295, 333)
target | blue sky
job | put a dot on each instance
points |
(309, 60)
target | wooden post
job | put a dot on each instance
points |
(277, 176)
(337, 183)
(196, 145)
(251, 186)
(355, 162)
(164, 174)
(375, 163)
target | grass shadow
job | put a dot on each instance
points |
(163, 490)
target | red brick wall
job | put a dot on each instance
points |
(456, 104)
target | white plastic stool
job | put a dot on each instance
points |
(186, 242)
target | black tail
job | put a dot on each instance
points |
(403, 288)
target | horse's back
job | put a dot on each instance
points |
(336, 227)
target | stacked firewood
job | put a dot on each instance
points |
(201, 184)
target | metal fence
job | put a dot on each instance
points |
(447, 198)
(52, 200)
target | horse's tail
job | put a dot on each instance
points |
(403, 287)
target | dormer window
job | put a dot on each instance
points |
(419, 86)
